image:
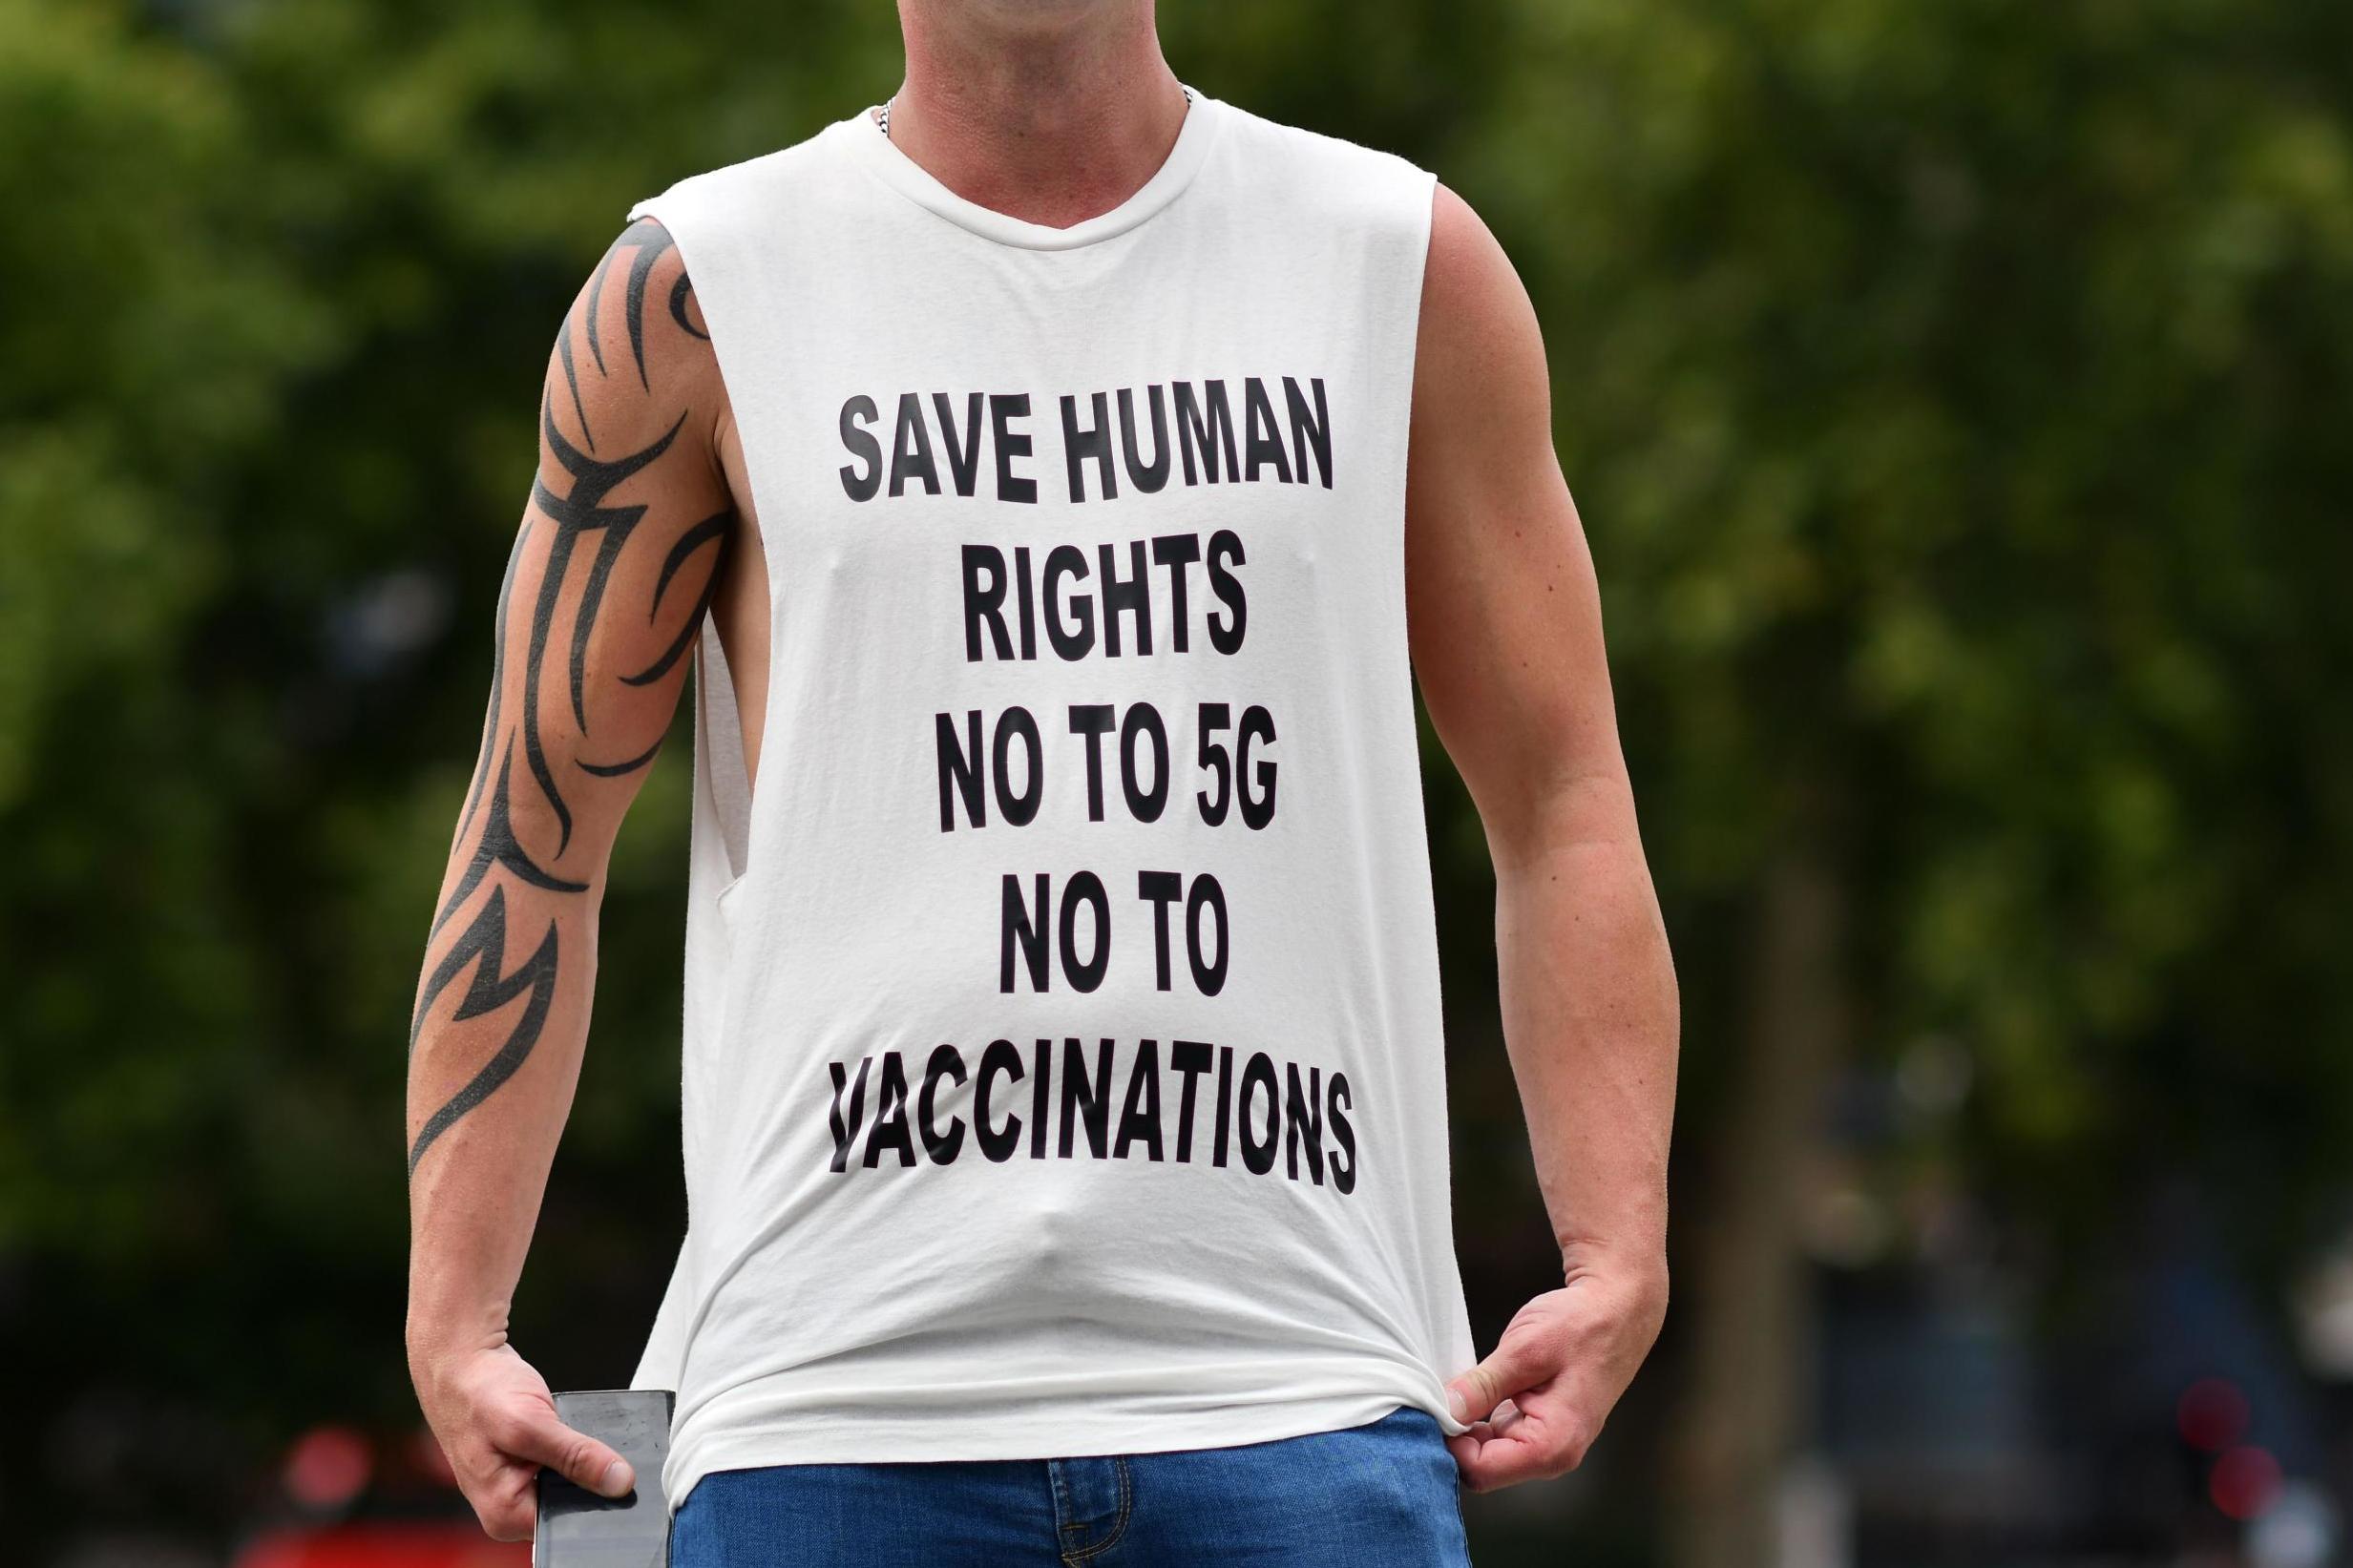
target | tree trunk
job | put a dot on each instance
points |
(1742, 1284)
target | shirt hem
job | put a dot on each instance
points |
(807, 1440)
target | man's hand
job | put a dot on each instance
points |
(495, 1421)
(1536, 1405)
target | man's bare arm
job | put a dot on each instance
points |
(1505, 624)
(621, 545)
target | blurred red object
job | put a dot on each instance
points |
(2211, 1415)
(366, 1504)
(386, 1545)
(328, 1468)
(2245, 1482)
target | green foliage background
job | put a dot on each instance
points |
(1958, 392)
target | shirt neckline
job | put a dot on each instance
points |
(883, 158)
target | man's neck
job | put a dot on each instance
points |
(1052, 122)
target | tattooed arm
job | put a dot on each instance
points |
(623, 545)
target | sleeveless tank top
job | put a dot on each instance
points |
(1062, 1068)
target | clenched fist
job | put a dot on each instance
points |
(1537, 1402)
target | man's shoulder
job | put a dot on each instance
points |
(1317, 174)
(798, 174)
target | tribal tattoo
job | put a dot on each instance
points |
(484, 946)
(561, 520)
(574, 515)
(648, 241)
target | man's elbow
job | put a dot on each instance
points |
(1557, 805)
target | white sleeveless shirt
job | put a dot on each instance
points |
(1063, 1061)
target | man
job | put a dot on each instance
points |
(1025, 469)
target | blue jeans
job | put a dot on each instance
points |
(1380, 1495)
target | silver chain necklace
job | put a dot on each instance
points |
(882, 120)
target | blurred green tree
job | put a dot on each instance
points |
(1957, 395)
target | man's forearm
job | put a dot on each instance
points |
(491, 1079)
(1590, 1020)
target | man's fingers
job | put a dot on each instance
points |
(499, 1486)
(1489, 1462)
(1524, 1447)
(1516, 1367)
(508, 1518)
(574, 1455)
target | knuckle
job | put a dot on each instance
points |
(498, 1515)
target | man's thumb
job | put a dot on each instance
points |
(1474, 1395)
(578, 1458)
